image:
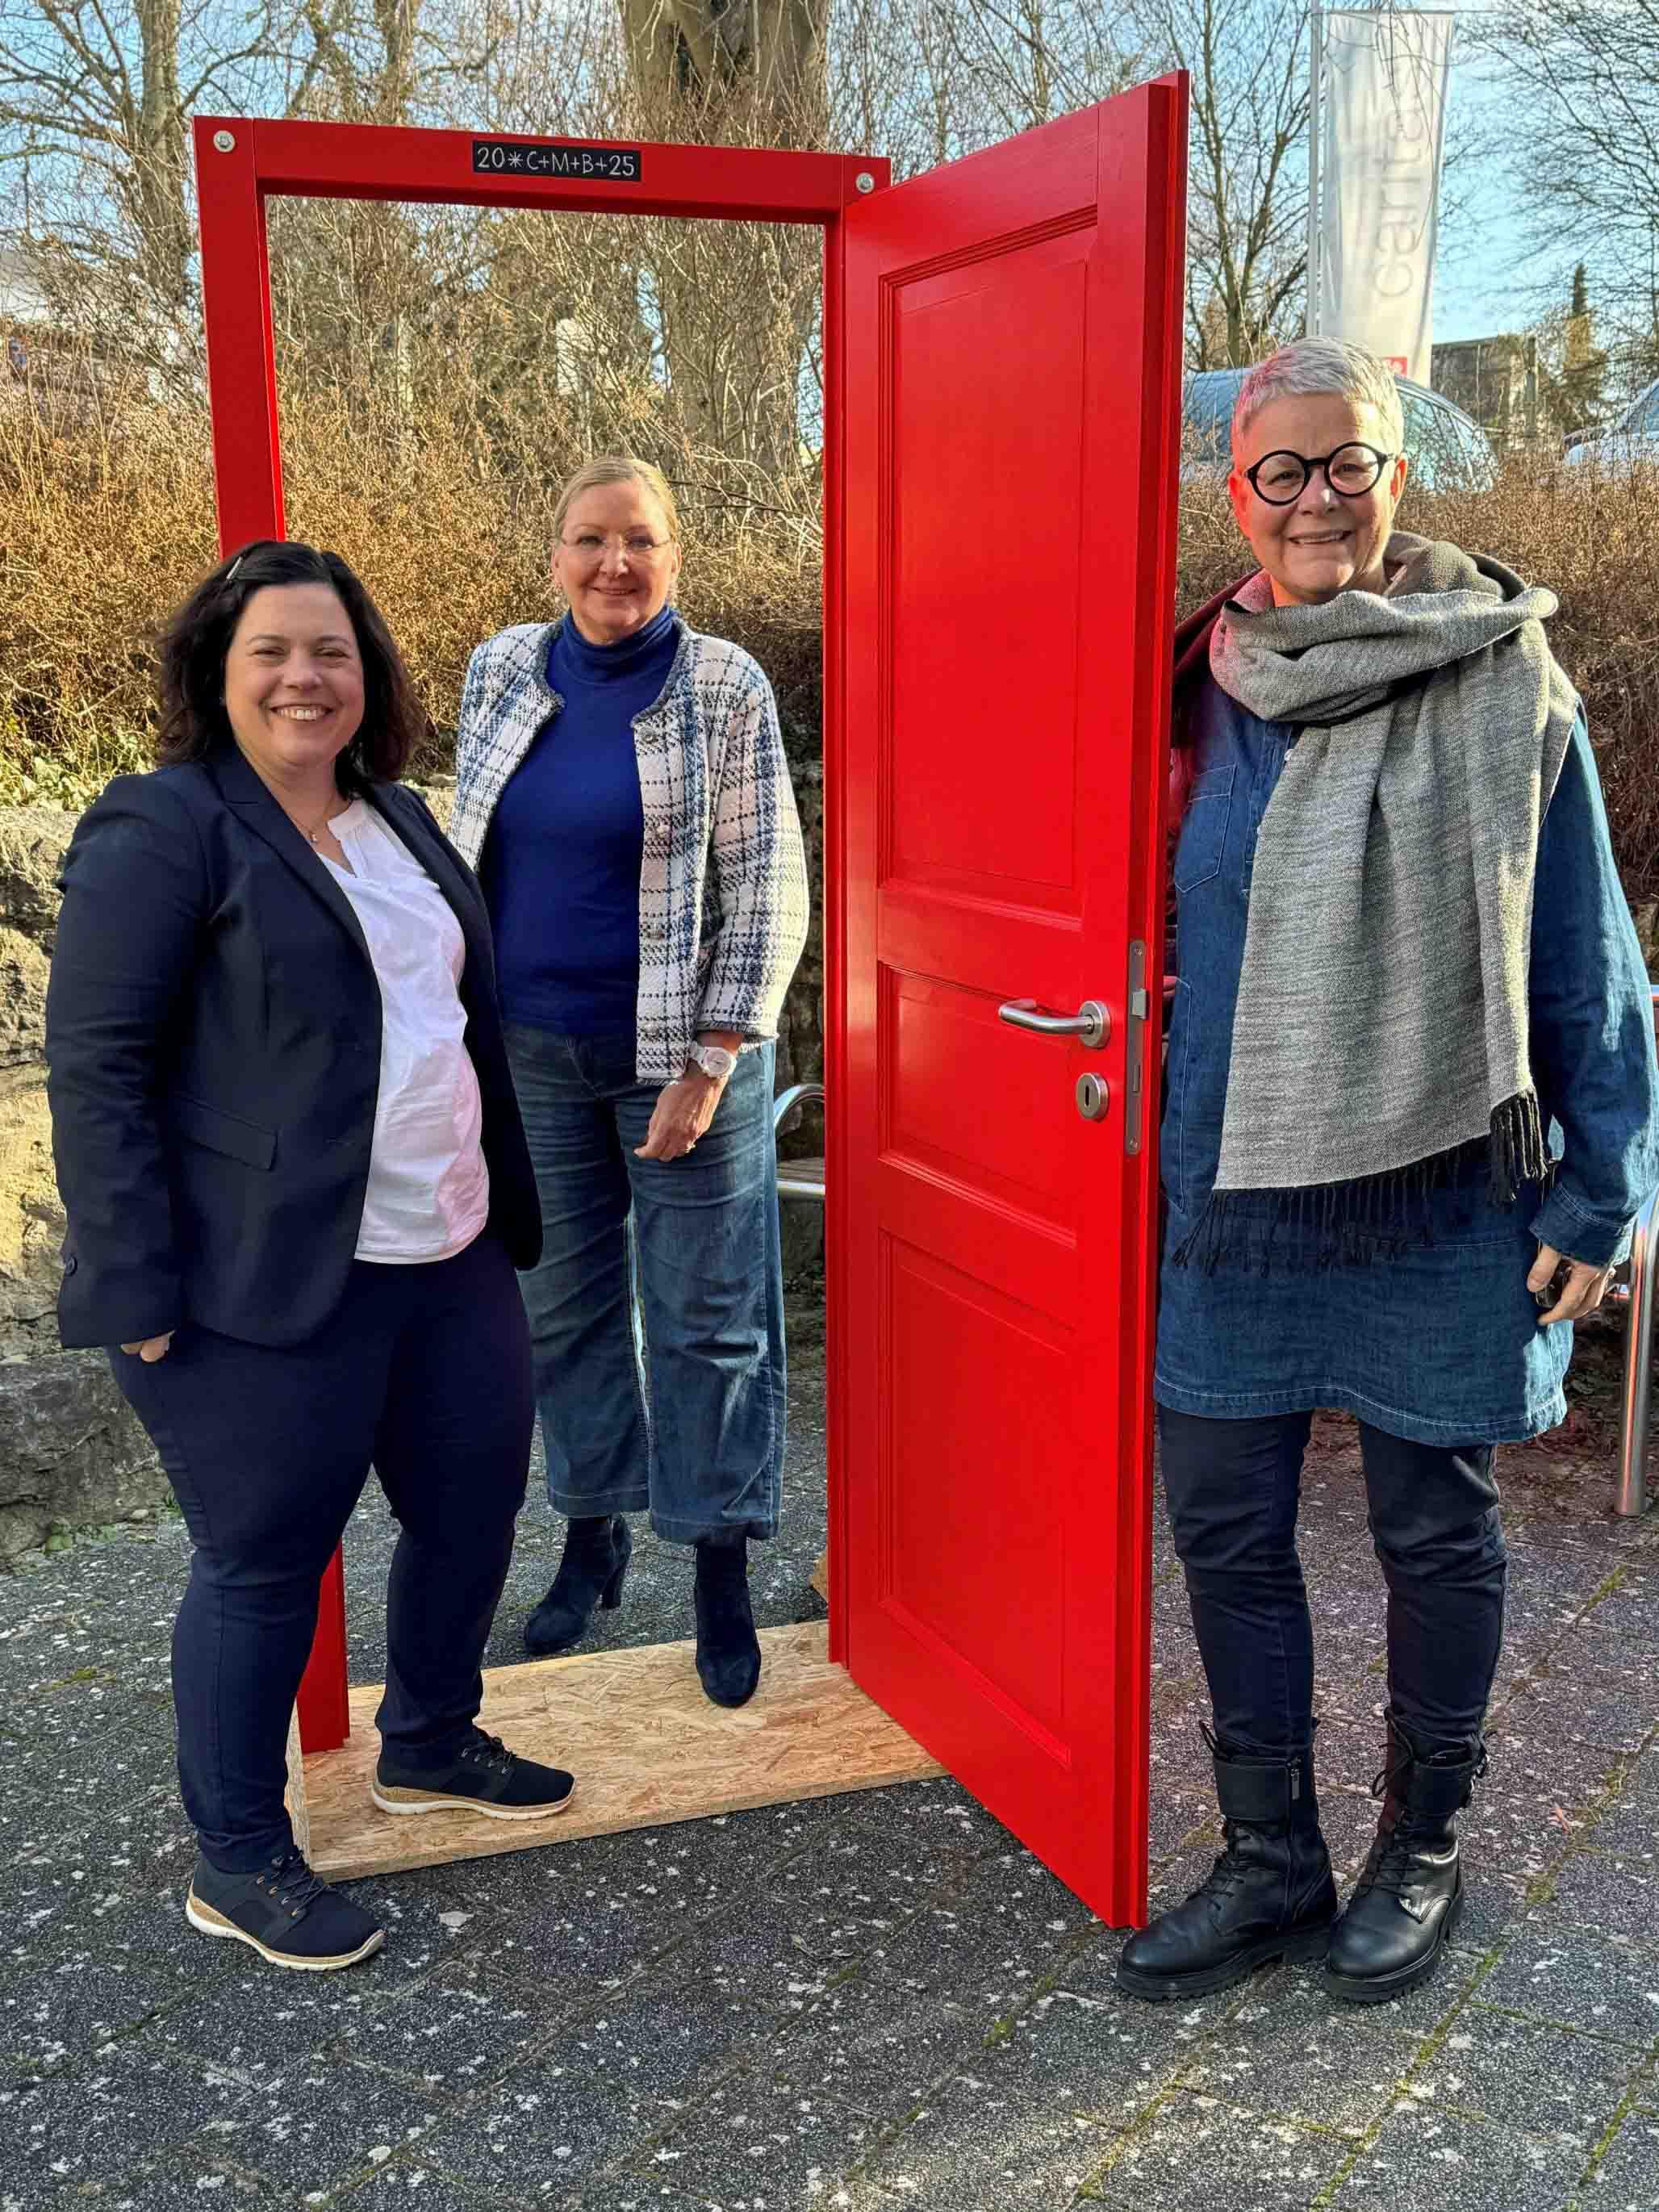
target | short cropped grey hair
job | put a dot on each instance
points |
(1313, 367)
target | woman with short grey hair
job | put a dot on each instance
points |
(1412, 1108)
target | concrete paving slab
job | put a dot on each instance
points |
(1533, 2078)
(1610, 1890)
(757, 2145)
(881, 2040)
(903, 2006)
(1627, 2177)
(1193, 2153)
(93, 2122)
(1581, 1981)
(536, 2138)
(1288, 2052)
(320, 2127)
(188, 2182)
(993, 2139)
(1422, 2158)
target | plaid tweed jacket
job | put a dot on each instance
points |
(723, 896)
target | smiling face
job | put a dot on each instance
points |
(293, 683)
(1325, 541)
(616, 560)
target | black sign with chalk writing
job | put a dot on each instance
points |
(544, 157)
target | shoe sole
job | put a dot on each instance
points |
(207, 1922)
(730, 1705)
(1383, 1987)
(1161, 1989)
(425, 1800)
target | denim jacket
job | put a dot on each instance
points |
(1225, 1348)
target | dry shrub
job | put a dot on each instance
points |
(106, 520)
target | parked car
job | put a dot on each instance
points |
(1448, 449)
(1633, 437)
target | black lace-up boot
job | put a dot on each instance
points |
(1269, 1896)
(592, 1571)
(1410, 1894)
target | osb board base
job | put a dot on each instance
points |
(645, 1745)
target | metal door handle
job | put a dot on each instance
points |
(1091, 1024)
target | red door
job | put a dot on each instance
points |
(1011, 366)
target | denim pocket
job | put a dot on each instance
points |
(1204, 828)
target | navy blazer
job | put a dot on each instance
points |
(213, 1047)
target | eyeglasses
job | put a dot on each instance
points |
(1281, 479)
(588, 545)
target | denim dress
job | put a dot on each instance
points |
(1442, 1344)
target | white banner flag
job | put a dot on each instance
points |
(1383, 115)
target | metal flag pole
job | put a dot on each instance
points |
(1314, 123)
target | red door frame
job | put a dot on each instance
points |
(241, 162)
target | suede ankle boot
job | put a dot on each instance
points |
(1409, 1896)
(1269, 1896)
(592, 1571)
(728, 1650)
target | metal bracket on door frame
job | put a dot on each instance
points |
(1134, 1045)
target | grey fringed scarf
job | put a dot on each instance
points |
(1381, 1019)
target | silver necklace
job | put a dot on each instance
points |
(314, 834)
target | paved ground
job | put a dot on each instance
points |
(867, 2001)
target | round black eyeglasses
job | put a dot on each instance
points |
(1281, 479)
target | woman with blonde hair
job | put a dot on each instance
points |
(623, 790)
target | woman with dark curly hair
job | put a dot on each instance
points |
(297, 1188)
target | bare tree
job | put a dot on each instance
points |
(1585, 73)
(96, 100)
(1247, 183)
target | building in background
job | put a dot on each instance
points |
(1497, 380)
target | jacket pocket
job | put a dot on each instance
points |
(1204, 828)
(219, 1132)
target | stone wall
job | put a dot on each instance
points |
(71, 1454)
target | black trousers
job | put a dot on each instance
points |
(425, 1371)
(1233, 1488)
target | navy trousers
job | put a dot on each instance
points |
(1233, 1488)
(424, 1372)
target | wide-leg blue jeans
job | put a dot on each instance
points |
(706, 1453)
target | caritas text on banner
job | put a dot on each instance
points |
(1383, 112)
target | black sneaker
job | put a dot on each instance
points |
(284, 1912)
(483, 1777)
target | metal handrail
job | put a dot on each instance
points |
(1631, 1497)
(798, 1094)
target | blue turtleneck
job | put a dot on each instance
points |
(562, 865)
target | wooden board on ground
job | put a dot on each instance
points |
(645, 1744)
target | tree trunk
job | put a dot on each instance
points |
(737, 310)
(157, 185)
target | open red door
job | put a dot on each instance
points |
(1012, 330)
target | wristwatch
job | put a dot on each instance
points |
(712, 1059)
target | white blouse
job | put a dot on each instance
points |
(428, 1188)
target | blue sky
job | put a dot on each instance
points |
(1487, 281)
